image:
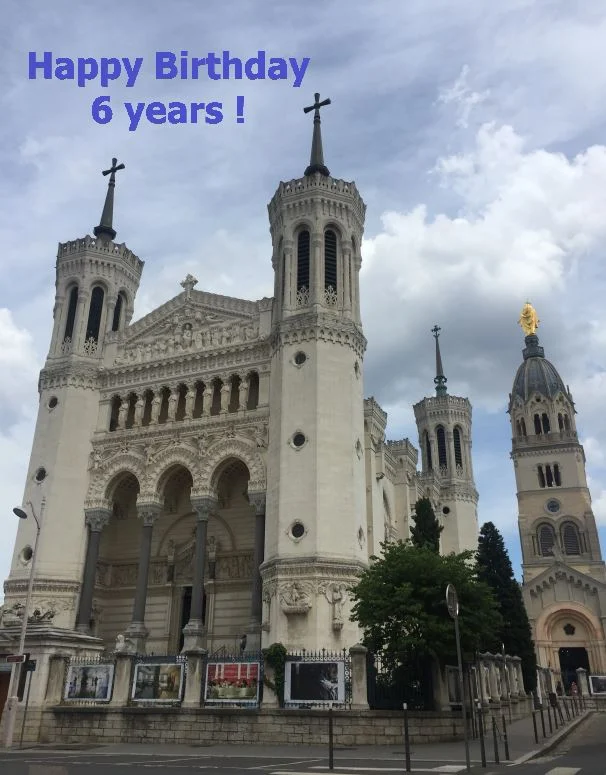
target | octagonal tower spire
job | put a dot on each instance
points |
(316, 161)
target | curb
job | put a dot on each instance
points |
(553, 740)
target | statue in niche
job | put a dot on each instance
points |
(124, 645)
(186, 336)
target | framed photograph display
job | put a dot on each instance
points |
(89, 682)
(158, 682)
(314, 682)
(232, 682)
(597, 684)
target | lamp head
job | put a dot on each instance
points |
(19, 513)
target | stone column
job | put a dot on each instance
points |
(225, 394)
(289, 274)
(122, 679)
(56, 678)
(243, 392)
(95, 519)
(316, 269)
(136, 630)
(495, 689)
(123, 411)
(346, 289)
(582, 681)
(80, 322)
(192, 697)
(194, 631)
(155, 407)
(173, 400)
(109, 320)
(359, 691)
(253, 641)
(207, 400)
(190, 400)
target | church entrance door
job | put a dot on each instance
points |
(570, 660)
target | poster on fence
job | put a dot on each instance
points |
(158, 682)
(314, 682)
(597, 684)
(89, 682)
(232, 682)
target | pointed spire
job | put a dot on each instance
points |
(105, 227)
(439, 379)
(316, 161)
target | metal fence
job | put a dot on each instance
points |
(391, 685)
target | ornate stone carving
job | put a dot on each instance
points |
(257, 499)
(330, 297)
(66, 346)
(236, 566)
(238, 448)
(42, 617)
(97, 519)
(11, 615)
(148, 512)
(124, 645)
(90, 347)
(303, 297)
(295, 597)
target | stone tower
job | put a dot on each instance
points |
(96, 283)
(561, 553)
(444, 425)
(316, 522)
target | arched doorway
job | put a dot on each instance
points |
(571, 658)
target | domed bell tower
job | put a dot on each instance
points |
(96, 282)
(315, 535)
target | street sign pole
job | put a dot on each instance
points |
(452, 601)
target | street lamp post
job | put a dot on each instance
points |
(13, 700)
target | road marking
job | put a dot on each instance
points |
(285, 764)
(563, 771)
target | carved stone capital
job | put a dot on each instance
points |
(204, 506)
(148, 512)
(257, 499)
(97, 519)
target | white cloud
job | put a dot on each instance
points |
(463, 97)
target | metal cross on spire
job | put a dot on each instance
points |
(439, 379)
(105, 228)
(316, 161)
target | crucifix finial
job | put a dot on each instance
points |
(188, 284)
(439, 379)
(105, 228)
(316, 161)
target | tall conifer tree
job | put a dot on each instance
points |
(426, 529)
(494, 568)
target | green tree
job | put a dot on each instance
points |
(494, 568)
(426, 529)
(400, 604)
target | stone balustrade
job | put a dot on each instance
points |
(222, 394)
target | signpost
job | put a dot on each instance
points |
(452, 602)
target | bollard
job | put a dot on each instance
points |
(505, 740)
(495, 742)
(543, 722)
(406, 737)
(549, 719)
(331, 759)
(534, 726)
(481, 735)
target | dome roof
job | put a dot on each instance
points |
(536, 374)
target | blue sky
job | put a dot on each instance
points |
(472, 130)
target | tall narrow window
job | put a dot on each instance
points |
(303, 260)
(537, 424)
(523, 426)
(71, 314)
(545, 421)
(546, 540)
(549, 476)
(282, 266)
(556, 475)
(117, 313)
(427, 451)
(441, 437)
(570, 539)
(457, 447)
(253, 390)
(94, 314)
(560, 421)
(541, 476)
(566, 423)
(330, 260)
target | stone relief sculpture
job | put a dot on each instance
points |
(11, 615)
(295, 598)
(124, 645)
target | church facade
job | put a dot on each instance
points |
(212, 470)
(564, 578)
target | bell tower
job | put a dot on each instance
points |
(315, 530)
(96, 282)
(444, 425)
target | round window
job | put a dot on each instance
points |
(300, 358)
(446, 510)
(297, 530)
(52, 402)
(26, 554)
(40, 475)
(553, 505)
(298, 440)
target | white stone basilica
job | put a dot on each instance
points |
(213, 469)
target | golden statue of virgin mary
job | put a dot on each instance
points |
(529, 320)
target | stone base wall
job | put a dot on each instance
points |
(201, 725)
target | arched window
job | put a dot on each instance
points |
(282, 270)
(566, 423)
(456, 436)
(549, 476)
(117, 312)
(253, 391)
(541, 476)
(303, 260)
(545, 421)
(427, 446)
(71, 313)
(94, 314)
(115, 413)
(523, 426)
(560, 421)
(330, 259)
(556, 475)
(537, 424)
(441, 437)
(570, 538)
(546, 540)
